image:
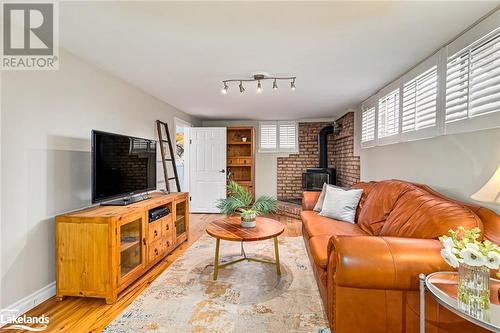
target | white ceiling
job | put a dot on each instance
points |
(341, 52)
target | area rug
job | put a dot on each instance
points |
(247, 296)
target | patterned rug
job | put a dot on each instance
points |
(247, 296)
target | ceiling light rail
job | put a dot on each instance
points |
(258, 78)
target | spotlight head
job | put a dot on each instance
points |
(259, 87)
(241, 87)
(224, 90)
(275, 85)
(292, 84)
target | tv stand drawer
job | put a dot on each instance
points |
(156, 250)
(154, 231)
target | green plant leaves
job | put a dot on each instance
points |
(240, 200)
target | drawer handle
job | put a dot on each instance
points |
(156, 251)
(156, 233)
(144, 241)
(168, 227)
(168, 243)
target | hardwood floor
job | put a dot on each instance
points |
(81, 315)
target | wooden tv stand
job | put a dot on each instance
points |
(101, 250)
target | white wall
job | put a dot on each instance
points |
(46, 119)
(455, 165)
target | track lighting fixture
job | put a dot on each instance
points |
(259, 78)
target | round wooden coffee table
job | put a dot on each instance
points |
(229, 229)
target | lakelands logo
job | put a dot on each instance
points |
(30, 36)
(10, 320)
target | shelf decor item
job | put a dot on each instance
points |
(239, 200)
(474, 259)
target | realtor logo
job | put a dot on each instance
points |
(29, 36)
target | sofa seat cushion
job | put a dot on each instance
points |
(319, 250)
(316, 225)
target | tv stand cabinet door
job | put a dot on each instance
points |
(181, 219)
(131, 249)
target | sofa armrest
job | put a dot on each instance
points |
(309, 200)
(382, 262)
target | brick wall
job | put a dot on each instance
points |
(346, 164)
(340, 156)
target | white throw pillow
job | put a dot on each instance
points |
(321, 198)
(341, 204)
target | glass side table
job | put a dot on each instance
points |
(443, 288)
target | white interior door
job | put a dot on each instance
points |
(207, 168)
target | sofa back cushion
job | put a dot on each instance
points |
(377, 203)
(366, 187)
(420, 214)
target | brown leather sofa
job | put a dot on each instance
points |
(367, 272)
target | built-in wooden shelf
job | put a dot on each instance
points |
(241, 156)
(239, 143)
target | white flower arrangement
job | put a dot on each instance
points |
(463, 246)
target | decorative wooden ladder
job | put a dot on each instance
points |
(162, 129)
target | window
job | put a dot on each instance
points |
(457, 87)
(485, 77)
(288, 136)
(388, 114)
(473, 80)
(278, 136)
(442, 94)
(368, 125)
(420, 101)
(268, 140)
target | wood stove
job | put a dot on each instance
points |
(314, 178)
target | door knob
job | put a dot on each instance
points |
(223, 171)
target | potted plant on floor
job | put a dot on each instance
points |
(239, 201)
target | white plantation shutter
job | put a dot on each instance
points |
(485, 77)
(419, 102)
(268, 136)
(457, 87)
(368, 125)
(388, 114)
(288, 136)
(473, 84)
(278, 136)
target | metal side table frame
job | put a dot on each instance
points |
(446, 303)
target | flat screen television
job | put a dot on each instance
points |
(121, 167)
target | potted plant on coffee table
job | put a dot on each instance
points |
(240, 201)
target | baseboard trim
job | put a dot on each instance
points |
(29, 302)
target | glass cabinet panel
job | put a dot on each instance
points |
(130, 246)
(180, 218)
